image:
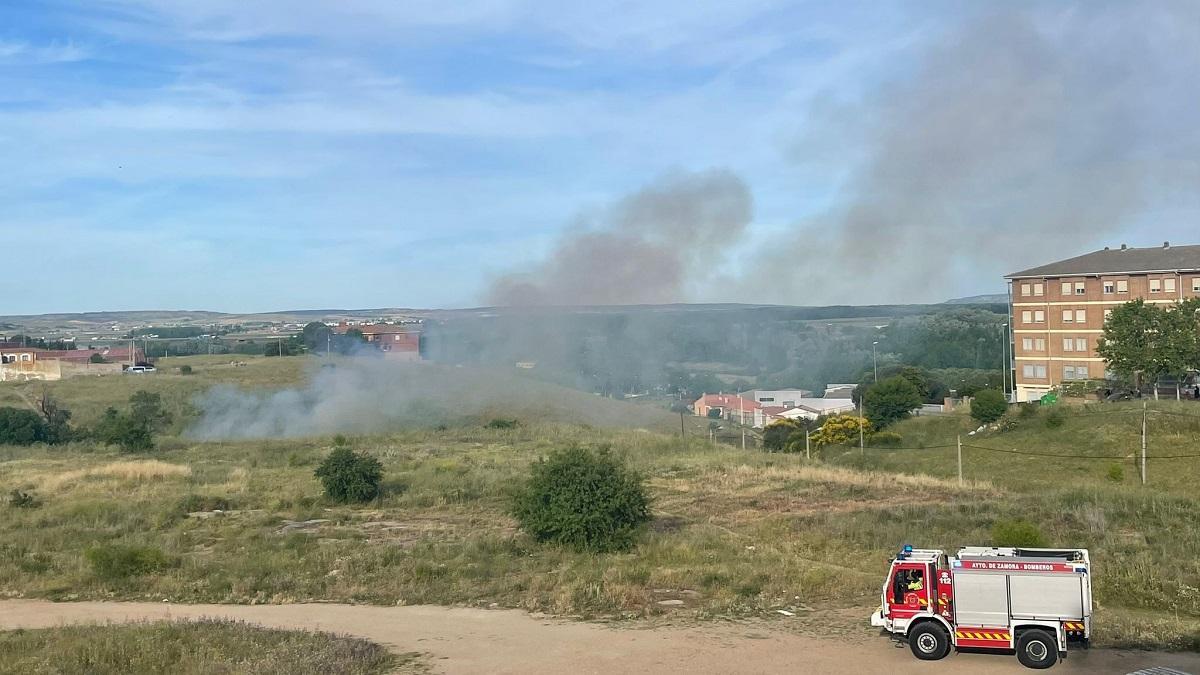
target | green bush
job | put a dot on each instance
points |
(1055, 418)
(1020, 533)
(777, 436)
(500, 423)
(146, 408)
(185, 370)
(988, 406)
(349, 476)
(885, 439)
(1115, 473)
(1027, 410)
(114, 561)
(587, 500)
(19, 426)
(124, 431)
(19, 499)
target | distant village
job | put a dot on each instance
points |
(61, 359)
(760, 407)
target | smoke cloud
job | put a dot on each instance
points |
(1021, 138)
(1021, 134)
(369, 394)
(646, 249)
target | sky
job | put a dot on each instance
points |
(290, 154)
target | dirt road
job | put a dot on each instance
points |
(501, 641)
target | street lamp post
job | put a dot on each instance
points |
(1004, 360)
(875, 360)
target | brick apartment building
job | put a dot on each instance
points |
(397, 341)
(1057, 311)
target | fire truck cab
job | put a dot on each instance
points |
(1033, 601)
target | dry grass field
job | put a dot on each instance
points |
(735, 533)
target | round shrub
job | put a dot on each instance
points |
(21, 427)
(884, 439)
(1055, 418)
(114, 561)
(1018, 533)
(349, 476)
(988, 406)
(587, 500)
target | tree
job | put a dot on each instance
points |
(19, 426)
(841, 430)
(146, 408)
(1130, 340)
(588, 500)
(348, 476)
(97, 358)
(56, 419)
(317, 336)
(124, 431)
(891, 401)
(1178, 346)
(988, 406)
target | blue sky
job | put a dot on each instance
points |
(284, 154)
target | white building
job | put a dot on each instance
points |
(770, 398)
(812, 408)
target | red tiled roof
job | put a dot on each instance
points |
(727, 401)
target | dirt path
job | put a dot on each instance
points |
(503, 641)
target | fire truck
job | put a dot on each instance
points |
(1032, 601)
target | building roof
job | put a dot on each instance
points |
(1122, 260)
(819, 405)
(377, 328)
(727, 401)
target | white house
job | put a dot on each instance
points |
(776, 397)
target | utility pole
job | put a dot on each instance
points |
(682, 434)
(1144, 442)
(960, 478)
(807, 452)
(743, 438)
(1004, 360)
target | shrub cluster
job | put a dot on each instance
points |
(115, 561)
(988, 406)
(584, 499)
(349, 476)
(1020, 533)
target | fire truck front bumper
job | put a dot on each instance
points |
(877, 619)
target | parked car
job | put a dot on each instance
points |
(137, 370)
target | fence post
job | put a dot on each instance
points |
(960, 478)
(743, 438)
(1143, 442)
(862, 447)
(807, 453)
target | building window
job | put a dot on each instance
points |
(1038, 290)
(1080, 289)
(1066, 288)
(1040, 372)
(1196, 284)
(1026, 316)
(1027, 370)
(1068, 372)
(1068, 344)
(1027, 344)
(1081, 316)
(1040, 344)
(1122, 286)
(1081, 344)
(1109, 288)
(1169, 284)
(1155, 285)
(1026, 289)
(1039, 316)
(1068, 316)
(1107, 313)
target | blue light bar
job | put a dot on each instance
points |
(908, 548)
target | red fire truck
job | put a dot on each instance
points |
(1034, 601)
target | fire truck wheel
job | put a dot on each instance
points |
(1037, 649)
(929, 641)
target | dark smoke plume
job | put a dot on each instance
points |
(646, 249)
